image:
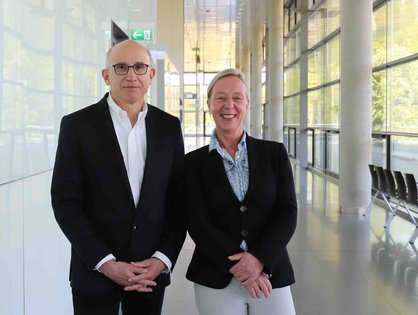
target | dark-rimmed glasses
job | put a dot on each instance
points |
(123, 68)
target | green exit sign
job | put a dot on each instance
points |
(140, 34)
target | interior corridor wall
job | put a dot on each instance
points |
(51, 54)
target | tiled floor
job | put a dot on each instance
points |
(345, 264)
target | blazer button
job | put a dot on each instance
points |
(134, 227)
(244, 233)
(243, 208)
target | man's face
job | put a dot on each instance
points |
(129, 88)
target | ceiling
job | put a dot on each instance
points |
(209, 34)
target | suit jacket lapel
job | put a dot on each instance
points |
(110, 142)
(215, 170)
(253, 161)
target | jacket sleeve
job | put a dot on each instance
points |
(282, 222)
(68, 199)
(174, 231)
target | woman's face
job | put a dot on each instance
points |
(228, 105)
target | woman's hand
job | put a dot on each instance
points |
(257, 287)
(247, 267)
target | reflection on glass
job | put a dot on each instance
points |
(51, 62)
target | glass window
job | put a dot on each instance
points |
(319, 158)
(333, 15)
(292, 79)
(404, 154)
(332, 106)
(316, 67)
(286, 21)
(189, 78)
(311, 133)
(316, 25)
(316, 108)
(404, 25)
(333, 158)
(379, 101)
(403, 98)
(291, 110)
(379, 152)
(332, 69)
(379, 36)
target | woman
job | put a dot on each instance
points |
(242, 212)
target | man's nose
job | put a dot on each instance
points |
(131, 74)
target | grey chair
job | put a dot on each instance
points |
(412, 199)
(380, 187)
(375, 188)
(392, 191)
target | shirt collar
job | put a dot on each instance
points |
(120, 113)
(214, 142)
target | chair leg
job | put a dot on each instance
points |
(414, 236)
(411, 216)
(369, 207)
(387, 202)
(392, 215)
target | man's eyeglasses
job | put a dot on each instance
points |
(123, 68)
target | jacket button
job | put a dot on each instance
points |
(134, 227)
(244, 233)
(243, 208)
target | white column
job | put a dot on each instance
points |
(303, 123)
(356, 104)
(257, 15)
(246, 58)
(275, 69)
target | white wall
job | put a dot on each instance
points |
(51, 55)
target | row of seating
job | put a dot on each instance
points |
(395, 188)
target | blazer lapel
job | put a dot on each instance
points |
(215, 169)
(253, 161)
(110, 142)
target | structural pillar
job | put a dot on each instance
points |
(246, 57)
(302, 148)
(257, 14)
(275, 69)
(356, 104)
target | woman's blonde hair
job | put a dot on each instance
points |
(228, 73)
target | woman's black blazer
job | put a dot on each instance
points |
(218, 221)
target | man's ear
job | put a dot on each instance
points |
(105, 76)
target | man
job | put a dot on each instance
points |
(115, 192)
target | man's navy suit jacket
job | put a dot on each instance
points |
(92, 198)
